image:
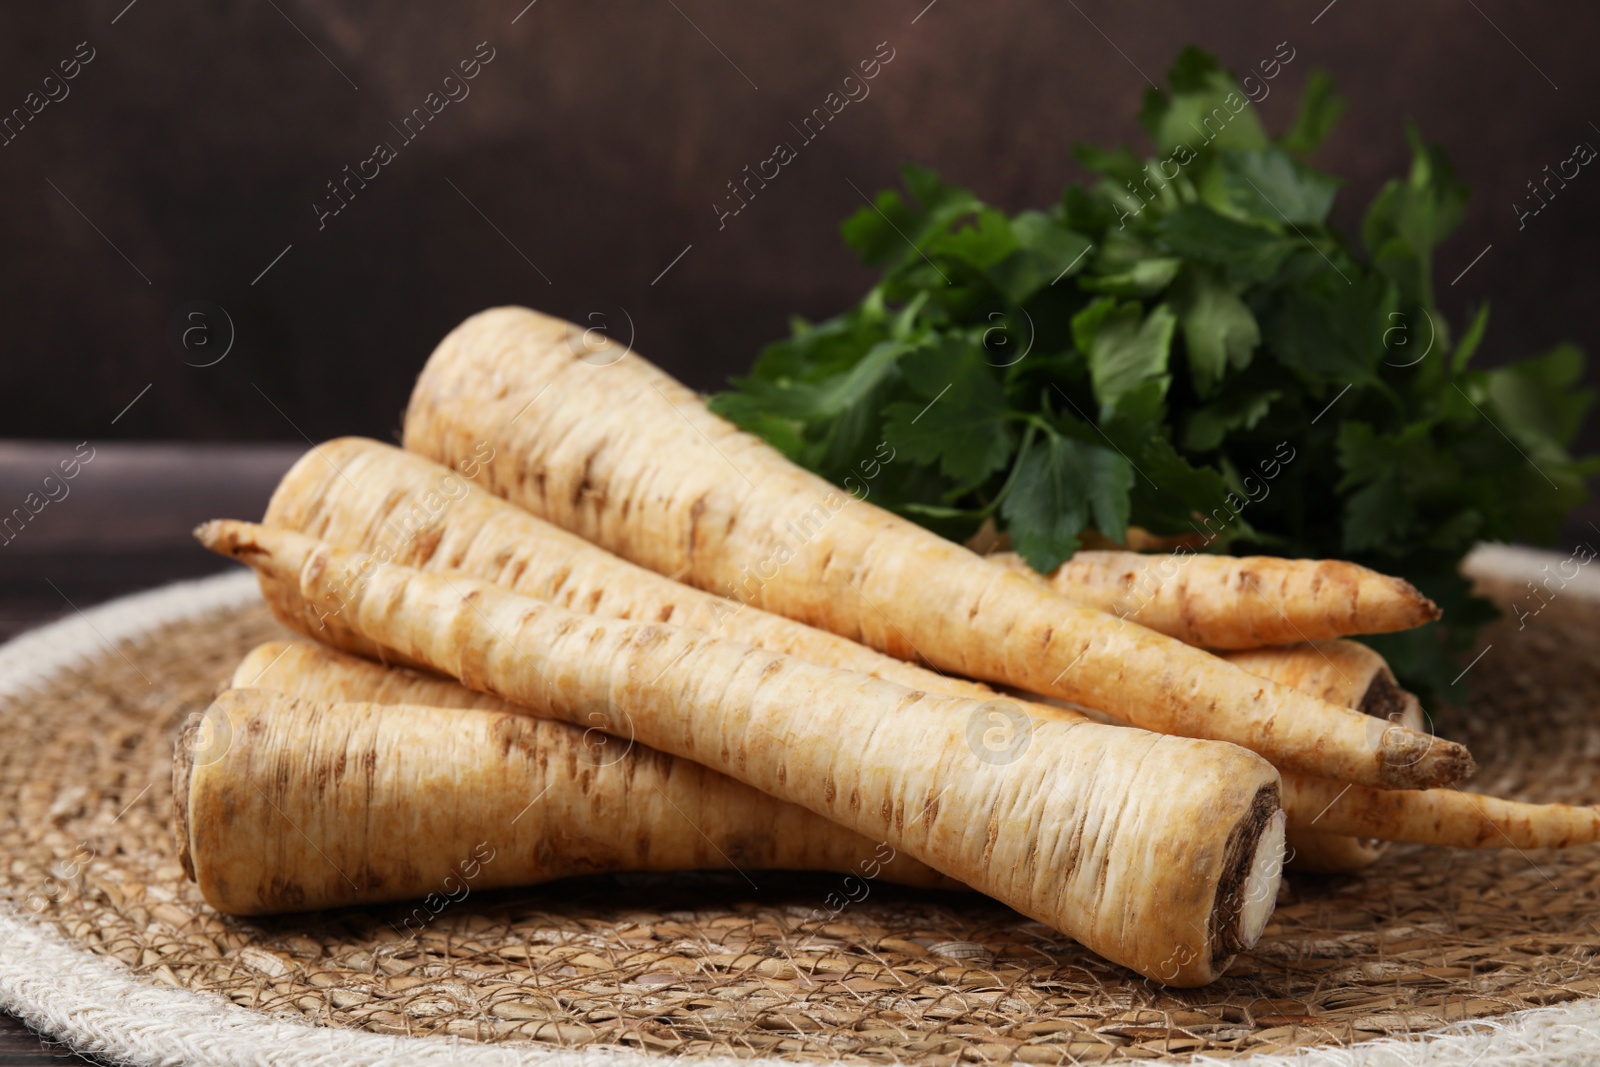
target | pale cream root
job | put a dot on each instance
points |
(1437, 816)
(750, 829)
(631, 460)
(1340, 672)
(1143, 847)
(1322, 853)
(314, 805)
(1231, 602)
(362, 495)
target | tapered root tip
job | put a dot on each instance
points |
(1412, 760)
(1394, 604)
(1427, 609)
(1424, 609)
(227, 537)
(214, 535)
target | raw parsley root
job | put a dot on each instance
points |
(1442, 816)
(362, 495)
(1187, 345)
(1230, 602)
(314, 672)
(1317, 852)
(1159, 853)
(1335, 827)
(1437, 817)
(319, 805)
(602, 805)
(1340, 672)
(629, 459)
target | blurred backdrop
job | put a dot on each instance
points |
(188, 165)
(204, 241)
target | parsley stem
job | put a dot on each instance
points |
(1022, 453)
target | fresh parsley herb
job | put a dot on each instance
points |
(1132, 356)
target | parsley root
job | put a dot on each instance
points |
(1440, 816)
(1160, 853)
(363, 495)
(1340, 672)
(551, 799)
(1347, 673)
(1231, 602)
(628, 458)
(1337, 827)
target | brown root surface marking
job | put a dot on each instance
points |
(767, 832)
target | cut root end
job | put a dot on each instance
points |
(1248, 890)
(1261, 884)
(1384, 699)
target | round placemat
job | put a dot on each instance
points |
(1436, 955)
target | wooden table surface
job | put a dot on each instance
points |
(121, 525)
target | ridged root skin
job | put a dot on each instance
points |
(1237, 602)
(748, 829)
(325, 804)
(1437, 816)
(1129, 842)
(1350, 674)
(360, 495)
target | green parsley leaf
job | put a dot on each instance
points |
(1206, 109)
(1540, 398)
(960, 426)
(1126, 348)
(1331, 328)
(1046, 252)
(1208, 425)
(1248, 253)
(1409, 218)
(1219, 330)
(1470, 340)
(1319, 112)
(1062, 487)
(1268, 185)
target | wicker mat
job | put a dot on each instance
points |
(716, 965)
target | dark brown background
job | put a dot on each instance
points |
(596, 141)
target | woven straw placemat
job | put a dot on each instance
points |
(104, 945)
